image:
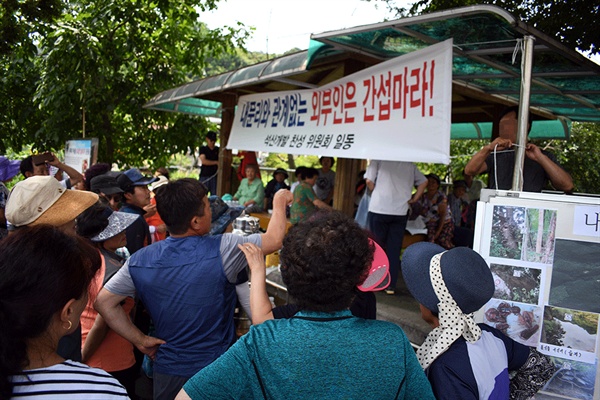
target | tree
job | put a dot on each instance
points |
(18, 17)
(579, 156)
(571, 22)
(99, 64)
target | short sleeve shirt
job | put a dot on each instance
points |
(212, 155)
(394, 182)
(303, 204)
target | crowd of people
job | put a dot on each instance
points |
(125, 277)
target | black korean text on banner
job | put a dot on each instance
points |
(396, 110)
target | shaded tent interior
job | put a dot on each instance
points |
(565, 85)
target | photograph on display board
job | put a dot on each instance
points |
(520, 233)
(513, 283)
(571, 329)
(572, 380)
(521, 322)
(575, 280)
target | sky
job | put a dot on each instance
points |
(284, 24)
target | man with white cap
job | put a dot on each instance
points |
(43, 200)
(8, 170)
(136, 196)
(462, 359)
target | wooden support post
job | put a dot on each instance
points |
(225, 158)
(346, 176)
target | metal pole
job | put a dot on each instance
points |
(522, 131)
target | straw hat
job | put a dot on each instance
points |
(42, 200)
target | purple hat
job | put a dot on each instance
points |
(8, 168)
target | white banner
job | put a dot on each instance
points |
(397, 110)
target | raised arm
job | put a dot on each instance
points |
(273, 237)
(259, 298)
(560, 179)
(74, 176)
(476, 164)
(420, 190)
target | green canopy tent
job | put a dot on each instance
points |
(563, 85)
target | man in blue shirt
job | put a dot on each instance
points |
(187, 283)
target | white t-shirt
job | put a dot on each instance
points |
(394, 182)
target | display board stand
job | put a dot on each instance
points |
(544, 253)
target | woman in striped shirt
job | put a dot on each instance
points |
(44, 278)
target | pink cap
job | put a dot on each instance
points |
(379, 274)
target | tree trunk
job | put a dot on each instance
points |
(110, 146)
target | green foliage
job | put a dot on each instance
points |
(580, 156)
(571, 22)
(461, 152)
(19, 18)
(106, 59)
(586, 320)
(553, 332)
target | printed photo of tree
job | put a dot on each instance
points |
(538, 241)
(508, 226)
(520, 284)
(525, 234)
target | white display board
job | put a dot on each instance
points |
(544, 253)
(81, 154)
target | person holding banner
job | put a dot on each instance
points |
(391, 183)
(498, 160)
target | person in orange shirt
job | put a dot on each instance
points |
(101, 346)
(152, 216)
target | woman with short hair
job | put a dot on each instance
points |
(322, 352)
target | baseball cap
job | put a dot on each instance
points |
(117, 223)
(106, 184)
(134, 177)
(42, 200)
(465, 274)
(379, 273)
(161, 181)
